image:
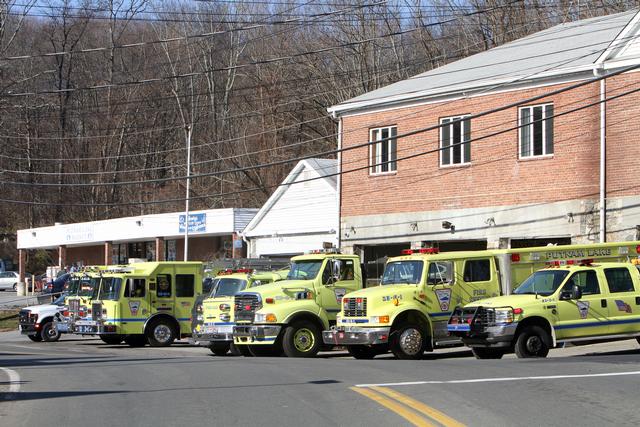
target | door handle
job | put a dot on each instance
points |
(603, 303)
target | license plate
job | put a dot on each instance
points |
(85, 328)
(459, 328)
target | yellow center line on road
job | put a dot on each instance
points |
(406, 413)
(416, 405)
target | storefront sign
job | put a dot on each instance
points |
(197, 223)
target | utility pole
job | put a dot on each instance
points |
(186, 207)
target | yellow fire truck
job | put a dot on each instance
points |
(408, 313)
(143, 302)
(214, 316)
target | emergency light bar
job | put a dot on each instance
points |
(430, 251)
(323, 251)
(119, 270)
(232, 271)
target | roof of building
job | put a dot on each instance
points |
(322, 168)
(558, 50)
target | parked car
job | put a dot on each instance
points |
(56, 286)
(9, 280)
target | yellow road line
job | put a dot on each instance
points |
(416, 405)
(409, 415)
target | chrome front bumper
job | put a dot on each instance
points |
(356, 336)
(492, 336)
(213, 333)
(256, 334)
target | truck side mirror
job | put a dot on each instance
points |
(574, 293)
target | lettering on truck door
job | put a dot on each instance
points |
(622, 301)
(135, 307)
(588, 315)
(162, 301)
(440, 294)
(479, 281)
(338, 278)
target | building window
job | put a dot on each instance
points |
(382, 155)
(455, 145)
(536, 131)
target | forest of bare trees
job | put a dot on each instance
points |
(97, 94)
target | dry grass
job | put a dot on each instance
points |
(9, 320)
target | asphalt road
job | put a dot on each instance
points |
(80, 382)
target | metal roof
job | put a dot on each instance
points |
(561, 49)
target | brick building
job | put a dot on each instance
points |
(526, 175)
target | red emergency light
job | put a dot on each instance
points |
(515, 257)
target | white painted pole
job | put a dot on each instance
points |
(186, 207)
(603, 165)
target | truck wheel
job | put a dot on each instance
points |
(160, 333)
(50, 332)
(487, 353)
(533, 341)
(363, 351)
(35, 338)
(235, 351)
(111, 339)
(409, 342)
(302, 339)
(220, 349)
(137, 340)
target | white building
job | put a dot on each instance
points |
(297, 217)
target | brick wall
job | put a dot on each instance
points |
(496, 176)
(89, 255)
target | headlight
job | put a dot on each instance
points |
(379, 319)
(225, 307)
(225, 317)
(265, 318)
(504, 315)
(199, 308)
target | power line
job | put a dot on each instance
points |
(366, 144)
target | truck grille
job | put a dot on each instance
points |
(74, 306)
(354, 307)
(245, 306)
(96, 311)
(25, 318)
(477, 317)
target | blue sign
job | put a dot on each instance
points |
(197, 223)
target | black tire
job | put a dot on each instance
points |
(137, 340)
(160, 333)
(409, 342)
(302, 339)
(111, 339)
(244, 350)
(15, 287)
(532, 341)
(235, 350)
(265, 350)
(220, 349)
(49, 332)
(363, 351)
(488, 353)
(35, 338)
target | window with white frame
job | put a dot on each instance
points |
(536, 130)
(382, 154)
(455, 144)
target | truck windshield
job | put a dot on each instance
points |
(109, 288)
(88, 287)
(400, 272)
(544, 282)
(304, 270)
(72, 286)
(228, 287)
